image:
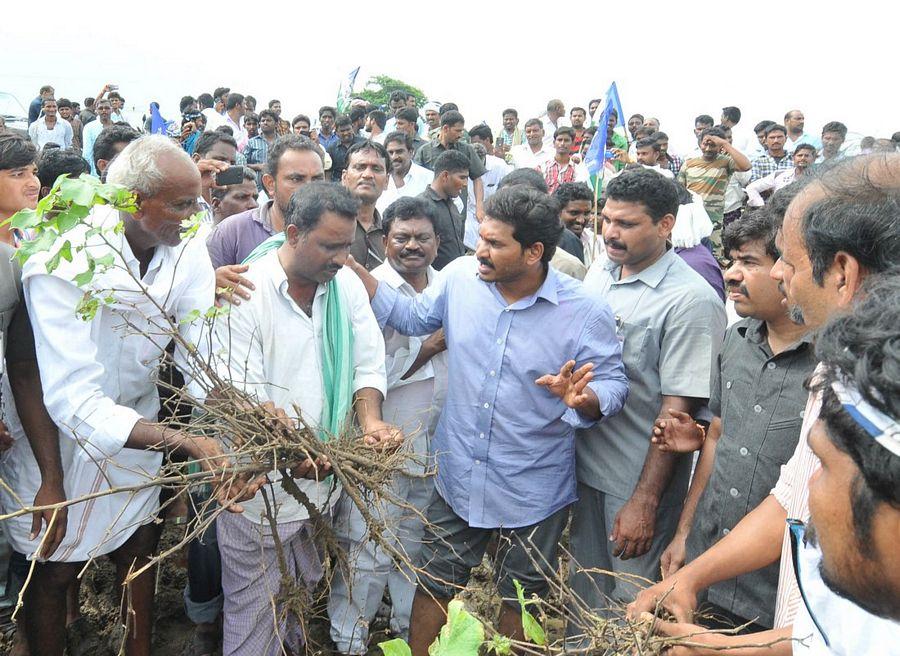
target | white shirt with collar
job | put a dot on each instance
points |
(415, 182)
(496, 169)
(237, 131)
(550, 129)
(270, 348)
(524, 158)
(99, 380)
(413, 404)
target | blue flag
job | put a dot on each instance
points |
(597, 154)
(157, 122)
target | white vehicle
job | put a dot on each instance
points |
(12, 112)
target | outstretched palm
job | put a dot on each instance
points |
(569, 383)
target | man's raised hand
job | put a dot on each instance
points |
(570, 383)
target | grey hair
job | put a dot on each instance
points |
(137, 166)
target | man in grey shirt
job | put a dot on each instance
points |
(671, 323)
(757, 400)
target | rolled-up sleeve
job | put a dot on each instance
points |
(71, 373)
(601, 347)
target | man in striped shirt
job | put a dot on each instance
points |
(837, 231)
(708, 176)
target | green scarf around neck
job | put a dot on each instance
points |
(337, 350)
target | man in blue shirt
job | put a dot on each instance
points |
(505, 442)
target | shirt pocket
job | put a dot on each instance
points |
(634, 339)
(780, 441)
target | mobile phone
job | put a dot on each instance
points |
(113, 87)
(231, 176)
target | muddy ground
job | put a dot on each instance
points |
(173, 630)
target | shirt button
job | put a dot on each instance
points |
(744, 451)
(481, 435)
(725, 531)
(493, 373)
(757, 408)
(733, 492)
(771, 365)
(728, 385)
(487, 405)
(499, 341)
(477, 462)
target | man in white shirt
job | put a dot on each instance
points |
(108, 435)
(554, 118)
(804, 156)
(534, 152)
(406, 177)
(49, 128)
(416, 381)
(483, 142)
(284, 348)
(234, 113)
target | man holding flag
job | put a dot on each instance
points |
(598, 153)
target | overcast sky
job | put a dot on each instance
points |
(672, 60)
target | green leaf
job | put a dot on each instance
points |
(533, 630)
(395, 647)
(500, 645)
(85, 277)
(462, 635)
(87, 307)
(41, 243)
(191, 317)
(77, 191)
(105, 261)
(68, 219)
(24, 219)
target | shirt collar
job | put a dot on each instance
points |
(261, 215)
(755, 331)
(549, 291)
(279, 277)
(393, 278)
(652, 275)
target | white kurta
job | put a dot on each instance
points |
(99, 380)
(270, 348)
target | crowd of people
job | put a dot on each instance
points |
(690, 361)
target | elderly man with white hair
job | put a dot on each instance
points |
(99, 386)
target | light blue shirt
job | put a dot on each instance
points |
(505, 447)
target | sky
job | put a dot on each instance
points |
(671, 60)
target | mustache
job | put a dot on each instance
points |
(407, 253)
(615, 243)
(741, 288)
(485, 262)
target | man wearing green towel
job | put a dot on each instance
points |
(307, 339)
